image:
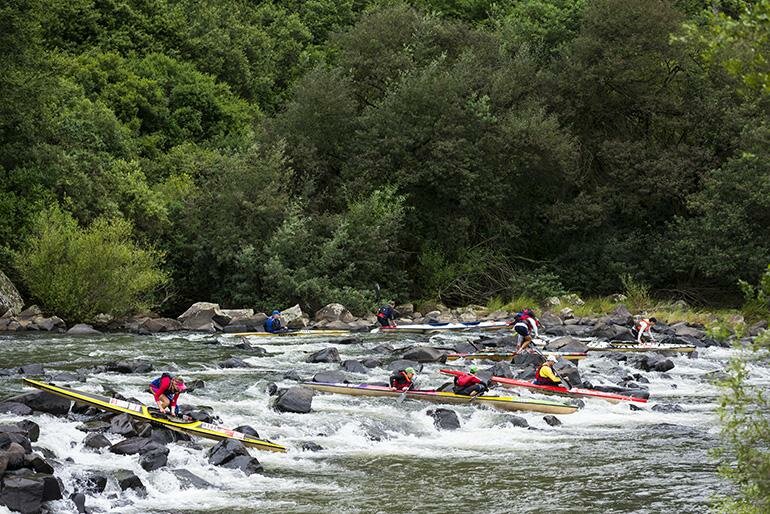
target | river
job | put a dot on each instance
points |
(383, 456)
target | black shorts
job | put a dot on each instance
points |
(521, 330)
(384, 322)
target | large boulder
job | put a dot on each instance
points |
(129, 366)
(253, 323)
(575, 330)
(527, 360)
(294, 317)
(135, 445)
(96, 441)
(354, 366)
(234, 362)
(444, 419)
(246, 463)
(330, 354)
(651, 362)
(41, 401)
(549, 319)
(18, 409)
(334, 312)
(566, 344)
(568, 371)
(188, 480)
(330, 377)
(28, 491)
(83, 329)
(127, 426)
(204, 317)
(10, 299)
(500, 369)
(225, 451)
(425, 354)
(154, 459)
(682, 329)
(295, 399)
(620, 316)
(608, 331)
(156, 325)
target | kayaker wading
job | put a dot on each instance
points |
(403, 379)
(642, 331)
(545, 375)
(386, 315)
(468, 384)
(166, 390)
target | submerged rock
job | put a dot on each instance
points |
(42, 401)
(295, 399)
(444, 419)
(425, 354)
(225, 451)
(83, 329)
(333, 377)
(234, 362)
(188, 480)
(667, 407)
(517, 421)
(246, 463)
(552, 420)
(96, 441)
(310, 446)
(28, 491)
(330, 354)
(128, 480)
(354, 366)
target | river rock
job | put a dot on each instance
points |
(330, 354)
(576, 330)
(569, 371)
(10, 299)
(500, 369)
(310, 446)
(135, 445)
(83, 329)
(566, 344)
(79, 499)
(42, 401)
(11, 455)
(16, 408)
(334, 312)
(293, 374)
(248, 430)
(154, 459)
(96, 441)
(27, 492)
(650, 362)
(667, 407)
(517, 421)
(94, 426)
(354, 366)
(234, 362)
(253, 350)
(620, 316)
(165, 436)
(125, 425)
(294, 317)
(465, 347)
(246, 463)
(37, 464)
(403, 364)
(253, 323)
(129, 366)
(28, 428)
(92, 482)
(160, 325)
(444, 419)
(331, 377)
(384, 348)
(425, 354)
(609, 331)
(552, 420)
(295, 399)
(128, 480)
(32, 369)
(683, 329)
(225, 451)
(527, 360)
(188, 480)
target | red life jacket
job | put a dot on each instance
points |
(466, 379)
(400, 380)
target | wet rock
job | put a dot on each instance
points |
(65, 377)
(154, 459)
(651, 362)
(41, 401)
(371, 363)
(294, 317)
(566, 344)
(225, 451)
(125, 425)
(188, 480)
(403, 364)
(128, 480)
(130, 366)
(246, 463)
(517, 421)
(19, 409)
(94, 426)
(82, 329)
(248, 430)
(91, 482)
(310, 446)
(160, 325)
(200, 415)
(253, 350)
(500, 369)
(633, 407)
(234, 362)
(165, 436)
(79, 499)
(609, 331)
(27, 492)
(32, 369)
(667, 407)
(682, 329)
(620, 316)
(444, 419)
(425, 354)
(552, 420)
(135, 445)
(349, 340)
(524, 374)
(527, 360)
(465, 347)
(272, 389)
(295, 399)
(331, 377)
(354, 366)
(383, 348)
(12, 455)
(568, 371)
(37, 463)
(577, 330)
(330, 354)
(292, 374)
(375, 432)
(204, 317)
(96, 441)
(334, 312)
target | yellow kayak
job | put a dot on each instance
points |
(142, 412)
(296, 333)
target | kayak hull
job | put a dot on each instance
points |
(142, 412)
(618, 346)
(296, 333)
(437, 328)
(491, 356)
(506, 403)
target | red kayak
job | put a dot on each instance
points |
(575, 392)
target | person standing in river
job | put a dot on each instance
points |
(386, 315)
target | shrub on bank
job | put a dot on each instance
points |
(80, 272)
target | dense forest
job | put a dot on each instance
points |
(261, 153)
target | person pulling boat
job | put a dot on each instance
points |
(528, 316)
(273, 324)
(468, 384)
(642, 330)
(386, 315)
(545, 374)
(402, 379)
(166, 390)
(523, 328)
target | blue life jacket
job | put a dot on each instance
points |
(156, 383)
(273, 324)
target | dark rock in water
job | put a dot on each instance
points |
(234, 362)
(272, 389)
(715, 376)
(465, 347)
(354, 366)
(292, 374)
(371, 363)
(517, 421)
(32, 369)
(254, 350)
(27, 492)
(225, 451)
(128, 480)
(403, 364)
(28, 429)
(556, 330)
(92, 482)
(37, 463)
(130, 366)
(444, 419)
(634, 407)
(501, 369)
(425, 354)
(667, 407)
(94, 426)
(330, 354)
(568, 371)
(576, 330)
(501, 342)
(651, 362)
(79, 499)
(525, 374)
(67, 377)
(96, 441)
(246, 463)
(375, 432)
(295, 399)
(566, 344)
(527, 360)
(165, 436)
(310, 446)
(41, 401)
(200, 415)
(125, 425)
(348, 340)
(609, 331)
(248, 430)
(189, 480)
(19, 409)
(45, 452)
(83, 329)
(195, 384)
(384, 348)
(154, 459)
(9, 438)
(134, 445)
(12, 456)
(552, 420)
(620, 316)
(334, 377)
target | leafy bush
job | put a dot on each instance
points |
(78, 273)
(637, 293)
(757, 304)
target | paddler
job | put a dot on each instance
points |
(402, 379)
(545, 375)
(386, 315)
(166, 390)
(642, 331)
(468, 384)
(273, 324)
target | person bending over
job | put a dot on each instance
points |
(166, 390)
(468, 384)
(402, 379)
(642, 331)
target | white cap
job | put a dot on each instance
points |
(551, 357)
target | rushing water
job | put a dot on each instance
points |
(383, 456)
